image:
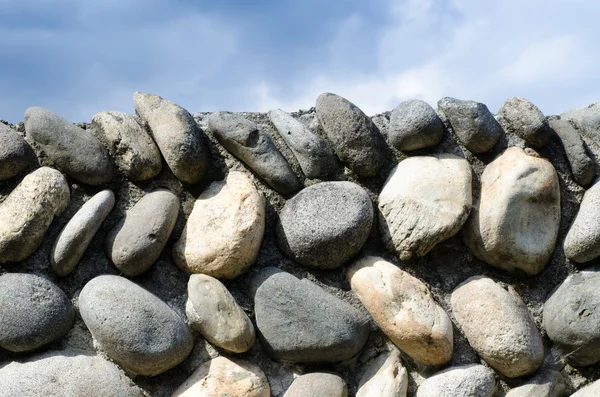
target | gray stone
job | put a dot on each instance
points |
(136, 242)
(254, 147)
(473, 380)
(582, 243)
(523, 118)
(591, 390)
(586, 119)
(33, 312)
(28, 211)
(325, 225)
(73, 240)
(414, 125)
(384, 376)
(16, 155)
(175, 132)
(298, 321)
(133, 149)
(73, 150)
(472, 122)
(317, 384)
(582, 166)
(69, 373)
(546, 383)
(133, 327)
(355, 138)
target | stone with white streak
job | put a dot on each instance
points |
(384, 376)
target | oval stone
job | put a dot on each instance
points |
(414, 125)
(473, 380)
(546, 383)
(384, 376)
(16, 155)
(317, 384)
(134, 327)
(582, 243)
(526, 120)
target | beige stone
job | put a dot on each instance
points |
(384, 376)
(320, 384)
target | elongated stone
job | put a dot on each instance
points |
(472, 380)
(546, 383)
(582, 243)
(384, 376)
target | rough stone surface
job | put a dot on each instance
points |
(132, 326)
(384, 376)
(133, 149)
(472, 122)
(318, 384)
(16, 155)
(425, 200)
(526, 120)
(136, 242)
(325, 225)
(27, 212)
(591, 390)
(176, 134)
(255, 148)
(582, 243)
(73, 150)
(462, 381)
(582, 166)
(33, 312)
(515, 223)
(546, 383)
(225, 229)
(414, 125)
(586, 119)
(404, 309)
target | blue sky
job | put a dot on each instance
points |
(79, 57)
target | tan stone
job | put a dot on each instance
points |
(320, 384)
(384, 376)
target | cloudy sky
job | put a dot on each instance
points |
(78, 57)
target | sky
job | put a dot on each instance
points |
(79, 57)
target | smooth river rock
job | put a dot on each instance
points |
(77, 234)
(414, 125)
(33, 312)
(73, 150)
(586, 119)
(133, 327)
(224, 232)
(317, 384)
(136, 242)
(28, 211)
(582, 243)
(384, 376)
(16, 155)
(498, 326)
(255, 148)
(404, 309)
(425, 200)
(591, 390)
(473, 380)
(546, 383)
(175, 132)
(515, 223)
(325, 225)
(298, 321)
(523, 118)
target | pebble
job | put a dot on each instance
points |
(582, 243)
(582, 166)
(425, 200)
(33, 312)
(298, 321)
(224, 376)
(325, 225)
(73, 150)
(515, 223)
(133, 149)
(178, 137)
(586, 119)
(546, 383)
(355, 138)
(472, 122)
(317, 384)
(73, 240)
(473, 380)
(314, 154)
(28, 211)
(384, 376)
(213, 312)
(136, 242)
(523, 118)
(591, 390)
(498, 326)
(16, 155)
(414, 125)
(225, 230)
(133, 327)
(255, 148)
(404, 309)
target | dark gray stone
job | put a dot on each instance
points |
(73, 150)
(326, 224)
(414, 125)
(546, 383)
(16, 155)
(523, 118)
(134, 327)
(582, 166)
(586, 119)
(473, 380)
(33, 312)
(298, 321)
(318, 384)
(254, 147)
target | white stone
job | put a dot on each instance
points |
(384, 376)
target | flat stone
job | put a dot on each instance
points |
(586, 119)
(472, 122)
(473, 380)
(133, 149)
(73, 240)
(515, 223)
(68, 373)
(354, 137)
(28, 211)
(325, 225)
(223, 376)
(414, 125)
(133, 327)
(314, 154)
(175, 132)
(425, 200)
(213, 312)
(498, 326)
(546, 383)
(582, 243)
(33, 312)
(16, 155)
(298, 321)
(317, 384)
(224, 232)
(591, 390)
(73, 150)
(255, 148)
(582, 166)
(384, 376)
(523, 118)
(136, 242)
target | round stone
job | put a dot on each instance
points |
(414, 125)
(16, 155)
(472, 380)
(318, 384)
(526, 120)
